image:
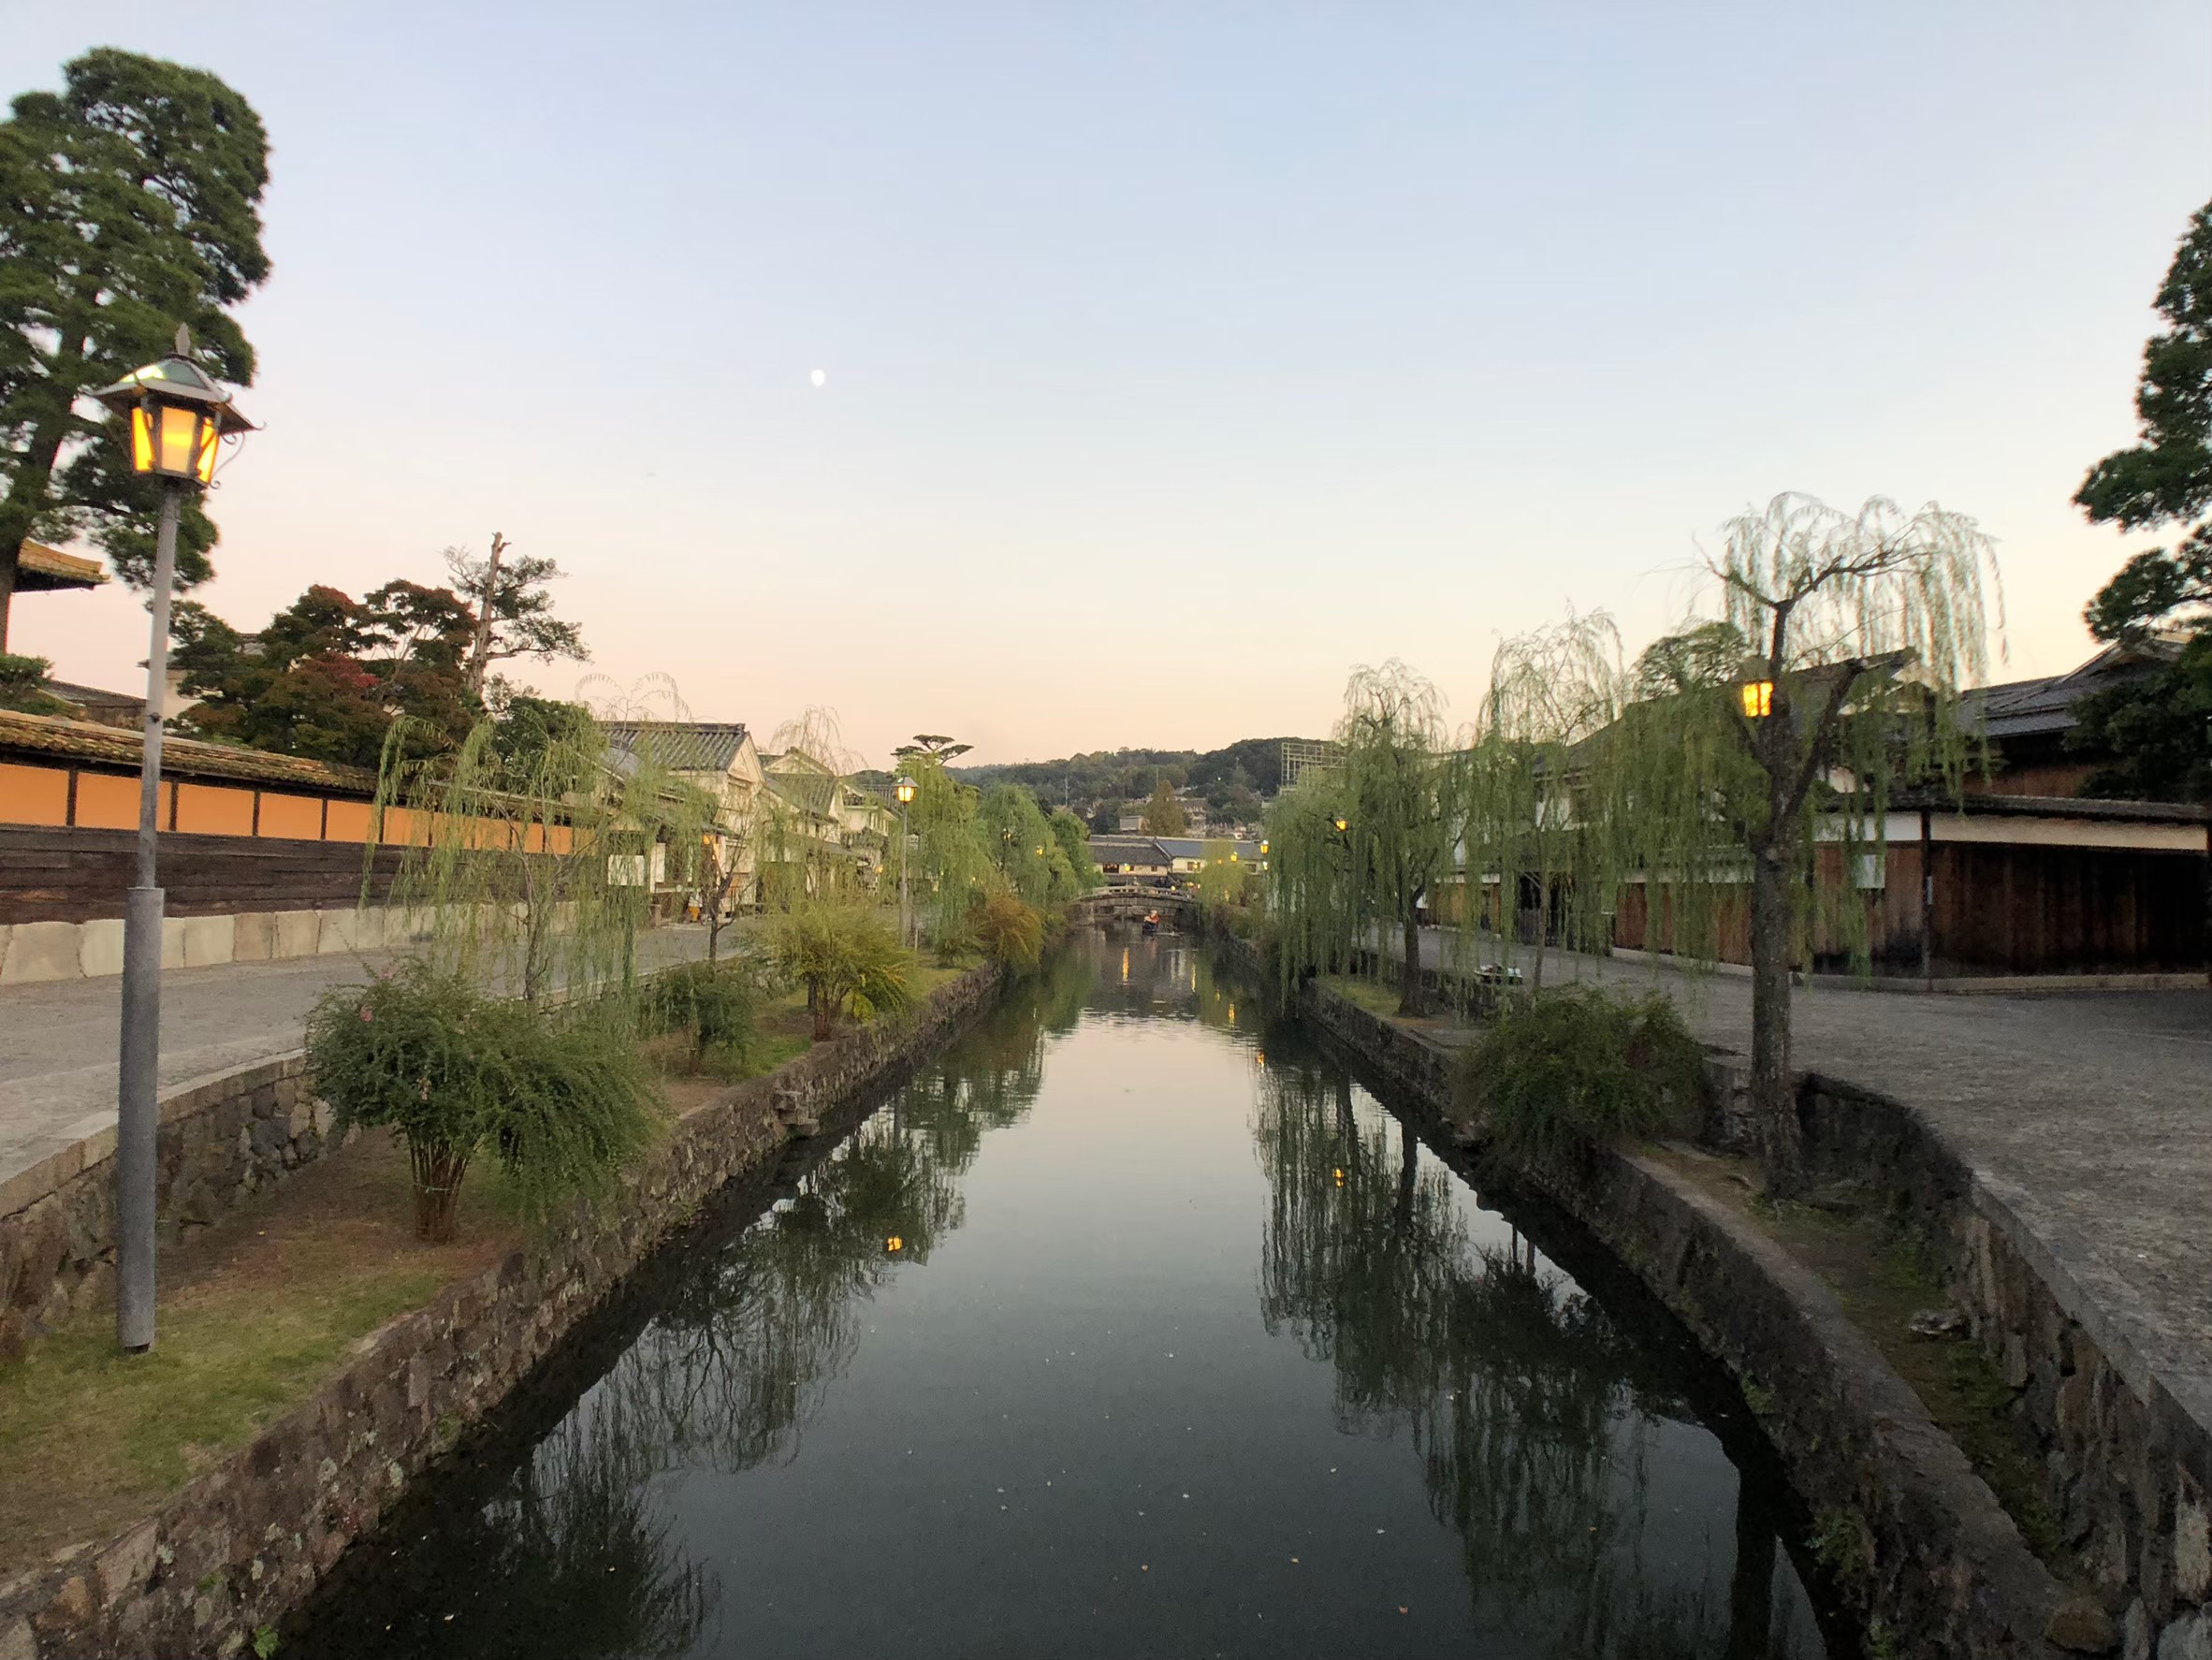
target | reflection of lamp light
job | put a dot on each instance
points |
(1338, 1173)
(894, 1245)
(1758, 699)
(1259, 1057)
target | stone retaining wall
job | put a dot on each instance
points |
(247, 1541)
(1916, 1538)
(2127, 1454)
(222, 1140)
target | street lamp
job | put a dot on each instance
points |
(176, 417)
(904, 790)
(1758, 699)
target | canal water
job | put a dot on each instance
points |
(1133, 1325)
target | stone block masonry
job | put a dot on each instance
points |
(247, 1541)
(2120, 1415)
(223, 1140)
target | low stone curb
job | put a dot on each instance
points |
(240, 1545)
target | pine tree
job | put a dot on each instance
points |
(132, 206)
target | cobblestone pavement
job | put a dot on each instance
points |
(2096, 1107)
(58, 1038)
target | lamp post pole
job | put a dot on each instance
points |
(137, 1119)
(174, 419)
(904, 792)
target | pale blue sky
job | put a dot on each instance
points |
(1179, 356)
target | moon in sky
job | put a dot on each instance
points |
(819, 378)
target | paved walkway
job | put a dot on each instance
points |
(2094, 1109)
(58, 1038)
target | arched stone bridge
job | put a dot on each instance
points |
(1130, 903)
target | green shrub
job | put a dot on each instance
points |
(1575, 1065)
(23, 681)
(845, 956)
(563, 1103)
(1006, 929)
(718, 1003)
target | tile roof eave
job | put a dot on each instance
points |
(87, 742)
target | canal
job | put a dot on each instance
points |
(1132, 1326)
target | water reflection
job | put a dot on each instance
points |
(1536, 1416)
(1557, 1462)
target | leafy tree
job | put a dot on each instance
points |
(512, 612)
(453, 1071)
(2158, 730)
(2155, 729)
(845, 957)
(2167, 478)
(132, 206)
(1074, 844)
(23, 681)
(1006, 930)
(1833, 607)
(1530, 789)
(329, 676)
(1358, 846)
(1392, 741)
(1163, 813)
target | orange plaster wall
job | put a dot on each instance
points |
(211, 809)
(33, 795)
(108, 802)
(349, 822)
(292, 818)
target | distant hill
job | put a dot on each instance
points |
(1084, 781)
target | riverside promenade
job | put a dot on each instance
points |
(58, 1038)
(2088, 1112)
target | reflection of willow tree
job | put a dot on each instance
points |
(560, 1554)
(1530, 1410)
(581, 1564)
(750, 1338)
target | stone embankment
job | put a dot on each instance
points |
(1916, 1538)
(223, 1140)
(246, 1540)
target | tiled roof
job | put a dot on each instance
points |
(1127, 849)
(38, 566)
(680, 746)
(1194, 847)
(43, 738)
(2022, 708)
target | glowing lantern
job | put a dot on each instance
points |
(1758, 699)
(894, 1245)
(177, 415)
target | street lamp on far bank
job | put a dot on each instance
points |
(177, 419)
(904, 790)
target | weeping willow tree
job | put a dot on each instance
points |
(530, 851)
(1851, 633)
(1536, 820)
(802, 843)
(1354, 847)
(950, 864)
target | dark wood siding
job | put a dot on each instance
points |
(57, 875)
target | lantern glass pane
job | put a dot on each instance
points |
(205, 466)
(141, 440)
(179, 441)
